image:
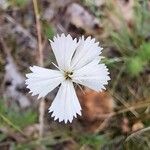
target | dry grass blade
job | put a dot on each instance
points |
(127, 105)
(137, 133)
(40, 62)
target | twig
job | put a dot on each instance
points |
(133, 108)
(124, 110)
(104, 123)
(5, 50)
(137, 133)
(38, 27)
(109, 115)
(126, 105)
(40, 62)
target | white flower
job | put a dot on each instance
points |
(78, 62)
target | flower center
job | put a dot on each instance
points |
(68, 75)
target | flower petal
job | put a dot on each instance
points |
(85, 53)
(66, 104)
(93, 75)
(42, 81)
(63, 48)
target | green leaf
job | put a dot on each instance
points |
(134, 66)
(19, 3)
(96, 141)
(144, 52)
(16, 117)
(48, 30)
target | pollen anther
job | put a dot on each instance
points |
(68, 75)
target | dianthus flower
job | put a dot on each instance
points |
(78, 62)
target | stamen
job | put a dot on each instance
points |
(57, 66)
(68, 75)
(80, 88)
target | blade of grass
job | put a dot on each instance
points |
(7, 121)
